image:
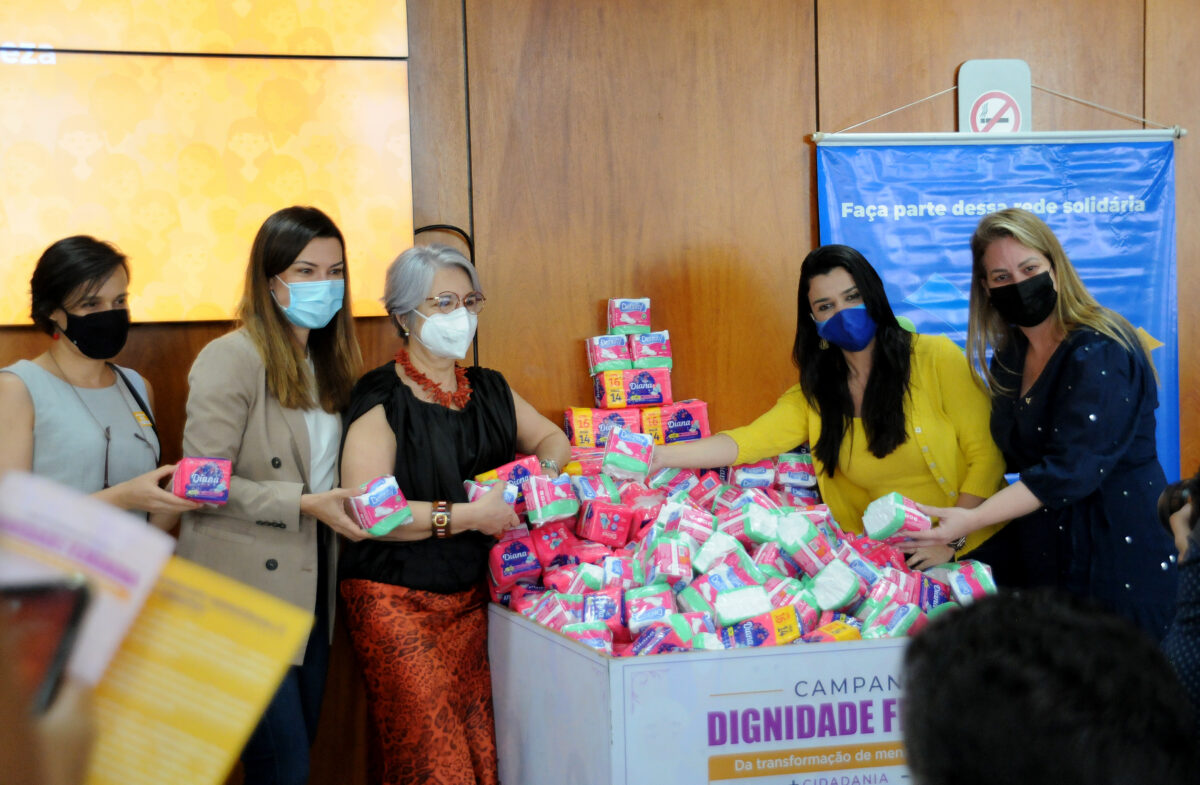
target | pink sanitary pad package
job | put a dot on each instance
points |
(638, 387)
(892, 515)
(606, 523)
(517, 472)
(550, 499)
(627, 455)
(590, 427)
(796, 470)
(682, 421)
(381, 506)
(628, 316)
(651, 350)
(513, 559)
(608, 353)
(202, 479)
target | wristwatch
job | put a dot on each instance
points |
(441, 520)
(958, 544)
(551, 466)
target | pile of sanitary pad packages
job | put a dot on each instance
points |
(631, 563)
(631, 377)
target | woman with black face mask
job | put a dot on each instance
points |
(1073, 399)
(70, 414)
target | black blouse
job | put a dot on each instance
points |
(436, 450)
(1082, 439)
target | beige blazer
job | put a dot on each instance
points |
(259, 537)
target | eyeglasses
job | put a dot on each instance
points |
(450, 301)
(108, 446)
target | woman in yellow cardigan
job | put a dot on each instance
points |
(884, 409)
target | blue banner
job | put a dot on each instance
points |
(911, 209)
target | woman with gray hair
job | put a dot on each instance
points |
(415, 598)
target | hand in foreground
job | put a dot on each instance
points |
(491, 514)
(145, 492)
(926, 556)
(329, 507)
(953, 522)
(65, 734)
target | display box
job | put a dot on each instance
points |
(796, 713)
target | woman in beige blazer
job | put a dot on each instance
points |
(267, 397)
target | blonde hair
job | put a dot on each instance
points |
(1075, 306)
(333, 348)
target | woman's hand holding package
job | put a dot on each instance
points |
(921, 557)
(491, 514)
(953, 523)
(330, 508)
(145, 492)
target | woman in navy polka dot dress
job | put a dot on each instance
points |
(1073, 400)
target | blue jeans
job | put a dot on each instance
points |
(277, 752)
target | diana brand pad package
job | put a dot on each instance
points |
(513, 559)
(676, 422)
(590, 427)
(517, 472)
(639, 387)
(202, 479)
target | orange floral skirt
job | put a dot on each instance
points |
(429, 690)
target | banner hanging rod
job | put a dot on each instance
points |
(1032, 137)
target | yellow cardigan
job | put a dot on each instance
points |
(948, 415)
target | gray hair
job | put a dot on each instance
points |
(408, 279)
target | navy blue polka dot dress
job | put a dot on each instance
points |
(1082, 440)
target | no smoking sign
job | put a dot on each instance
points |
(995, 112)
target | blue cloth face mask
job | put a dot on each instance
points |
(312, 304)
(850, 328)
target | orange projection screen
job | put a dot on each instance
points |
(377, 28)
(179, 159)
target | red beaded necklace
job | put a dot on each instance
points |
(455, 400)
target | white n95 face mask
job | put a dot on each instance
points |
(448, 334)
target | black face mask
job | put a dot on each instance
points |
(99, 335)
(1027, 303)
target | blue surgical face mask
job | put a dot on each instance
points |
(850, 328)
(312, 304)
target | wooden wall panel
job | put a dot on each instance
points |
(628, 149)
(1173, 97)
(438, 105)
(878, 55)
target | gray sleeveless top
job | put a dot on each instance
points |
(69, 444)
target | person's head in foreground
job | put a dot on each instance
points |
(1038, 688)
